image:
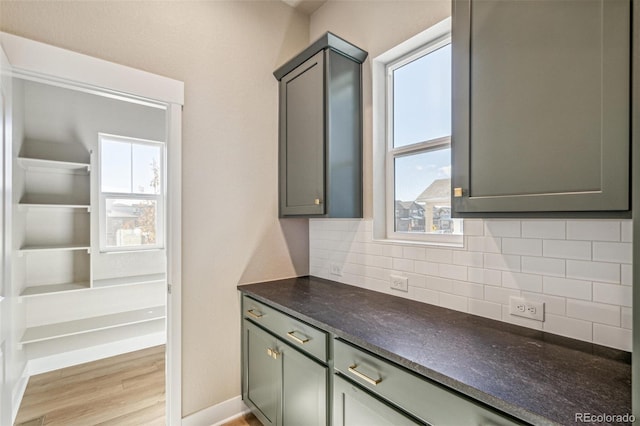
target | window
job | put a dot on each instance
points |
(131, 193)
(416, 139)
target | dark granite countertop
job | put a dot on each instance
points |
(534, 376)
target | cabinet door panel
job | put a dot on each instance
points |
(353, 406)
(304, 390)
(262, 373)
(302, 139)
(541, 105)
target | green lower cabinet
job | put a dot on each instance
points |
(262, 387)
(304, 401)
(353, 406)
(282, 386)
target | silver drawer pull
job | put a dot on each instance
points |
(302, 341)
(255, 314)
(364, 377)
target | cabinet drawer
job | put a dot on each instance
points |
(429, 402)
(303, 336)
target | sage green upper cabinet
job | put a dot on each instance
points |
(541, 106)
(320, 140)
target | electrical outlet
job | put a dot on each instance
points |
(335, 269)
(399, 283)
(521, 307)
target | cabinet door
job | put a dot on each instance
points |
(353, 406)
(302, 139)
(262, 383)
(541, 105)
(304, 390)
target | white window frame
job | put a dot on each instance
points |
(159, 198)
(385, 154)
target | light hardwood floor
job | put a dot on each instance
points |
(123, 390)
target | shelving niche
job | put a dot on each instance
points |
(80, 304)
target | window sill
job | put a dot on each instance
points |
(413, 243)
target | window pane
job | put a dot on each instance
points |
(146, 169)
(115, 167)
(422, 98)
(131, 222)
(423, 193)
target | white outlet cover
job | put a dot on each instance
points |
(521, 307)
(335, 269)
(397, 282)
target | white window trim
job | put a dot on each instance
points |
(159, 198)
(427, 41)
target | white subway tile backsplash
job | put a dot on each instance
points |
(593, 230)
(473, 227)
(626, 231)
(426, 268)
(614, 337)
(499, 294)
(580, 269)
(485, 309)
(547, 229)
(403, 264)
(439, 255)
(415, 253)
(439, 284)
(427, 296)
(627, 318)
(468, 258)
(568, 288)
(612, 252)
(484, 244)
(379, 261)
(520, 281)
(502, 228)
(613, 294)
(564, 249)
(626, 275)
(454, 302)
(467, 289)
(594, 271)
(595, 312)
(504, 262)
(391, 250)
(453, 272)
(570, 327)
(543, 266)
(485, 276)
(522, 246)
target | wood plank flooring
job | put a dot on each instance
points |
(123, 390)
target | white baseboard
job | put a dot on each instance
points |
(217, 414)
(18, 394)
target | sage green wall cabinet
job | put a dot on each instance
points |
(541, 106)
(283, 383)
(320, 142)
(353, 406)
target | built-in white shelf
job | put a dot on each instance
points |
(56, 247)
(55, 206)
(53, 288)
(132, 280)
(30, 163)
(87, 325)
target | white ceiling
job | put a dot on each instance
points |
(305, 6)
